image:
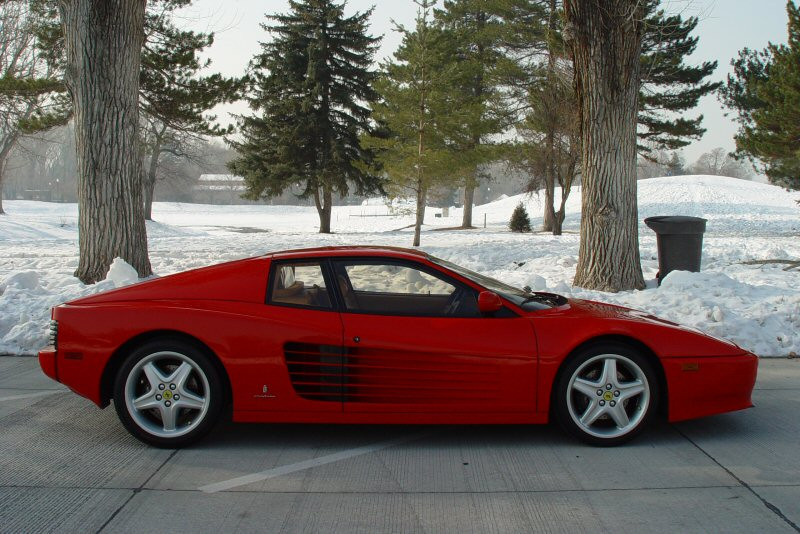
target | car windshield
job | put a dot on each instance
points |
(525, 299)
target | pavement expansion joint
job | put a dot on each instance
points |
(771, 507)
(136, 490)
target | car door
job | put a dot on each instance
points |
(414, 341)
(300, 343)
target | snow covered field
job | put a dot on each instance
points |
(755, 306)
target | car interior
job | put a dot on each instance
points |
(374, 287)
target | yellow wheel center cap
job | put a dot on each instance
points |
(606, 396)
(168, 395)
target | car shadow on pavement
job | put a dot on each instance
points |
(244, 436)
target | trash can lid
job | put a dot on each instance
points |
(676, 224)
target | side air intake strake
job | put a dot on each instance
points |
(315, 370)
(364, 375)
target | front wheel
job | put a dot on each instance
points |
(168, 393)
(606, 395)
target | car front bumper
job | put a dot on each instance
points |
(47, 361)
(698, 387)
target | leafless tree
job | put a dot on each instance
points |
(605, 38)
(103, 43)
(20, 64)
(719, 162)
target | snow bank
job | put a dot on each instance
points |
(756, 306)
(121, 273)
(26, 299)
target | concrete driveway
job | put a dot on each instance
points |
(67, 466)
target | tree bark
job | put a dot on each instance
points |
(2, 180)
(324, 207)
(469, 200)
(422, 193)
(558, 217)
(4, 152)
(605, 37)
(565, 181)
(149, 185)
(103, 41)
(148, 193)
(549, 218)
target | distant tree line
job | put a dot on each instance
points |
(465, 77)
(565, 90)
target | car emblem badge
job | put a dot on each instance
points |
(168, 395)
(608, 396)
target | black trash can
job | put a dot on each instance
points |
(680, 243)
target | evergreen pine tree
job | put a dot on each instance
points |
(764, 90)
(520, 222)
(418, 113)
(310, 83)
(670, 87)
(479, 31)
(675, 165)
(174, 97)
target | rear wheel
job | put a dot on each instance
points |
(168, 393)
(606, 394)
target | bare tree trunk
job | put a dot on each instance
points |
(149, 185)
(565, 181)
(558, 217)
(3, 160)
(2, 180)
(324, 208)
(469, 200)
(103, 42)
(148, 192)
(605, 37)
(422, 194)
(548, 221)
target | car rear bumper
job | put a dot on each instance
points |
(698, 387)
(47, 361)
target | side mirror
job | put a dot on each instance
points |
(489, 302)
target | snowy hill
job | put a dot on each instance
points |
(758, 307)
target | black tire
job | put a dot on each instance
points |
(168, 393)
(586, 407)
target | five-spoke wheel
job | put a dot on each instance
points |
(168, 393)
(606, 394)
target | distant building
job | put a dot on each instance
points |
(220, 189)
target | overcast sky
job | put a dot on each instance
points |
(725, 27)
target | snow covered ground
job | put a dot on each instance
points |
(755, 306)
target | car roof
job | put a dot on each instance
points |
(349, 251)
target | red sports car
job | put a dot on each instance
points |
(381, 335)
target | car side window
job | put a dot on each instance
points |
(299, 284)
(401, 289)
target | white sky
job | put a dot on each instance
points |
(725, 27)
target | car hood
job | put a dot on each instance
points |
(671, 339)
(241, 280)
